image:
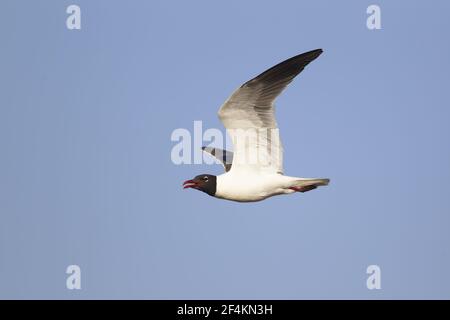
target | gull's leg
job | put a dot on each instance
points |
(303, 189)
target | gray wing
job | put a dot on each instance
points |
(251, 107)
(225, 157)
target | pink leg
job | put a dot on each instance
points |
(303, 189)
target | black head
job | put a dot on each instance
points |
(203, 182)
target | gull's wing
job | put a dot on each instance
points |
(225, 157)
(249, 115)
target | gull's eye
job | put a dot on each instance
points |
(205, 178)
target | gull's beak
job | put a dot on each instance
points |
(189, 184)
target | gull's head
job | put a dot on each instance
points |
(202, 182)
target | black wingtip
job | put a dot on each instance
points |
(287, 69)
(319, 51)
(306, 56)
(314, 53)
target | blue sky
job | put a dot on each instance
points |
(86, 175)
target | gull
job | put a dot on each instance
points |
(254, 171)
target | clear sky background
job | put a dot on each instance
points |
(86, 176)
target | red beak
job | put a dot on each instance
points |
(189, 184)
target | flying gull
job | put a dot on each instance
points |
(254, 171)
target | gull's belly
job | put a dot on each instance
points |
(248, 188)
